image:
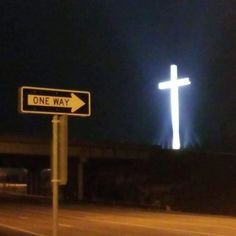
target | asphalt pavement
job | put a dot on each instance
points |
(91, 220)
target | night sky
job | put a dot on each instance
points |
(120, 51)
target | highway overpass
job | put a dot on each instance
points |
(34, 154)
(139, 174)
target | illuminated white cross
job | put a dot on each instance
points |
(173, 84)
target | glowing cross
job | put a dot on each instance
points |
(173, 84)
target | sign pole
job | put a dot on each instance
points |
(55, 180)
(63, 150)
(60, 103)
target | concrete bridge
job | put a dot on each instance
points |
(34, 155)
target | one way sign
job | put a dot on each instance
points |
(54, 101)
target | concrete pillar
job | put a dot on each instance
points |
(30, 181)
(80, 180)
(33, 181)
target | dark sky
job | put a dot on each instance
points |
(119, 51)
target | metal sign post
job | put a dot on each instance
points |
(59, 162)
(60, 103)
(55, 180)
(63, 149)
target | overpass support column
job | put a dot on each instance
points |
(80, 179)
(33, 182)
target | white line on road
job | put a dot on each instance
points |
(196, 224)
(65, 225)
(21, 230)
(156, 227)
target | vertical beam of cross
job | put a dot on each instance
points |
(173, 84)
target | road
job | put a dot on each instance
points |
(90, 220)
